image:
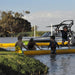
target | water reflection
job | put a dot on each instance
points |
(60, 65)
(65, 63)
(53, 65)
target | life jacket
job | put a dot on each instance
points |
(18, 49)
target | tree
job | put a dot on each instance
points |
(18, 15)
(13, 22)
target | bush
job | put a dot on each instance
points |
(19, 64)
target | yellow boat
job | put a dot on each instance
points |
(7, 45)
(42, 52)
(46, 44)
(39, 44)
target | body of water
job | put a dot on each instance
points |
(63, 64)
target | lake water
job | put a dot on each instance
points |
(63, 64)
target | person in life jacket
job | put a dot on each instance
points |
(19, 44)
(53, 44)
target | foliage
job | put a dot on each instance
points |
(19, 64)
(13, 23)
(40, 33)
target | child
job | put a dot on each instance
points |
(53, 45)
(32, 44)
(19, 43)
(65, 36)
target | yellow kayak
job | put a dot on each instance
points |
(42, 52)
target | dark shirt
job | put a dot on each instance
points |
(64, 34)
(53, 45)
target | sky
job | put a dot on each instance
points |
(43, 13)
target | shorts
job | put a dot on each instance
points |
(65, 39)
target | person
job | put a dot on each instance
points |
(53, 44)
(19, 44)
(32, 44)
(65, 35)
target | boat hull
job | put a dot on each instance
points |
(26, 43)
(44, 52)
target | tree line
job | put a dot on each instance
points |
(12, 23)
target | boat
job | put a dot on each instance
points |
(45, 52)
(5, 45)
(45, 38)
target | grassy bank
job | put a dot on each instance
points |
(19, 64)
(31, 34)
